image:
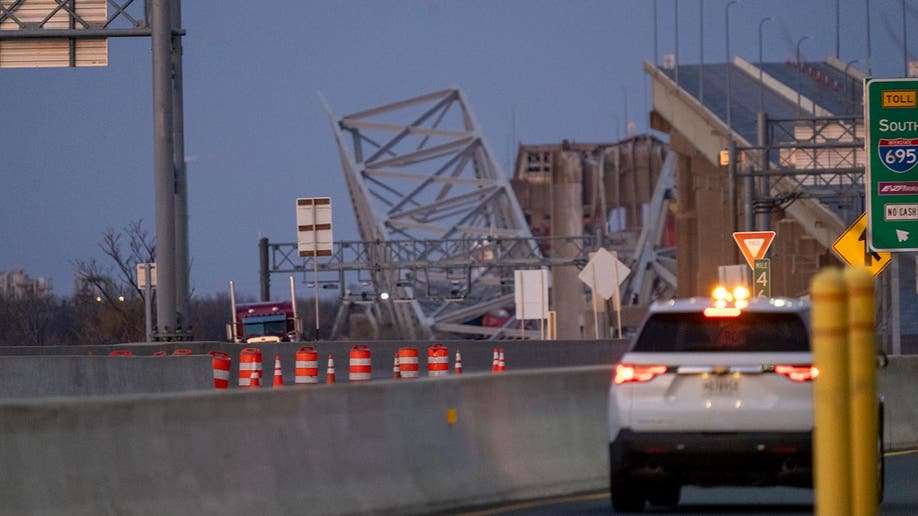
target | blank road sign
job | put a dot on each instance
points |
(313, 226)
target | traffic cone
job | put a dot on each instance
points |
(278, 374)
(458, 366)
(396, 372)
(330, 372)
(500, 361)
(495, 362)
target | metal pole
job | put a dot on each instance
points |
(731, 182)
(799, 41)
(869, 59)
(904, 44)
(727, 37)
(837, 30)
(895, 315)
(315, 261)
(148, 302)
(263, 275)
(676, 21)
(233, 333)
(163, 169)
(761, 83)
(296, 316)
(701, 52)
(182, 262)
(763, 218)
(656, 57)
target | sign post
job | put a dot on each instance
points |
(891, 181)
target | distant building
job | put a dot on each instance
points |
(17, 284)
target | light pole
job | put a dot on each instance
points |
(845, 91)
(761, 85)
(701, 52)
(727, 37)
(799, 41)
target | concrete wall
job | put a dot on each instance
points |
(44, 376)
(897, 383)
(381, 447)
(476, 356)
(384, 447)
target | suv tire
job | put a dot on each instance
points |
(664, 495)
(627, 497)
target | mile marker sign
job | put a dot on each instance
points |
(891, 181)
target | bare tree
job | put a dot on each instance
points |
(118, 313)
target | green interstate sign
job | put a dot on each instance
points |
(891, 118)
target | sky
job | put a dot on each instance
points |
(76, 145)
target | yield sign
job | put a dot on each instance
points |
(753, 244)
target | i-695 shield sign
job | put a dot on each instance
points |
(891, 118)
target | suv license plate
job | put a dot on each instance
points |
(721, 385)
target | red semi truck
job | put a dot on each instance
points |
(271, 321)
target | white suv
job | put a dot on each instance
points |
(710, 394)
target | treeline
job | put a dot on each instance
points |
(86, 319)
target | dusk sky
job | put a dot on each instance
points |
(76, 144)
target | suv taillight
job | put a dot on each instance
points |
(798, 373)
(625, 373)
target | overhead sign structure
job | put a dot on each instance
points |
(891, 181)
(753, 244)
(851, 246)
(314, 226)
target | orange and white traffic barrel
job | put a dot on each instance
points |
(395, 371)
(437, 360)
(278, 373)
(359, 369)
(457, 368)
(330, 372)
(307, 366)
(495, 362)
(182, 352)
(407, 362)
(221, 365)
(501, 365)
(249, 362)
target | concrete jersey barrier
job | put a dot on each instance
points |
(383, 447)
(44, 376)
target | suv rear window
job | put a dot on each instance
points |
(750, 331)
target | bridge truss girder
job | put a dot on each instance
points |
(420, 169)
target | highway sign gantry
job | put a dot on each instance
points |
(851, 246)
(891, 181)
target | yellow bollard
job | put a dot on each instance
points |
(831, 456)
(863, 391)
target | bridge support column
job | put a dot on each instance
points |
(567, 297)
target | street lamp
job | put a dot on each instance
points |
(761, 84)
(727, 37)
(799, 41)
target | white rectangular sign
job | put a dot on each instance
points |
(142, 275)
(531, 294)
(313, 226)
